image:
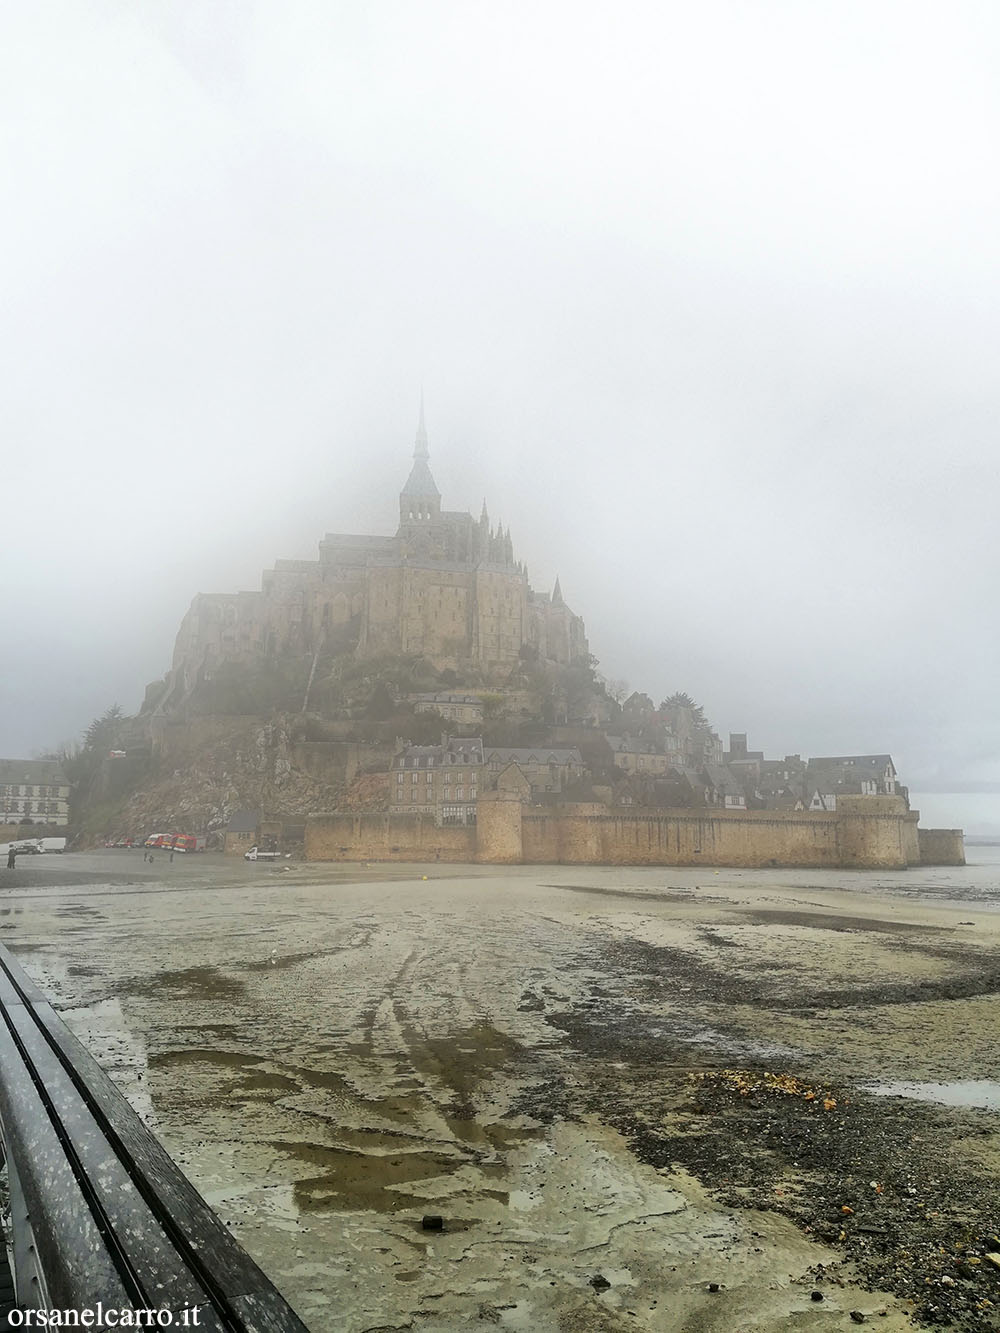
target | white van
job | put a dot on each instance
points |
(258, 854)
(52, 844)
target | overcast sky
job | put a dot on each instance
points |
(703, 298)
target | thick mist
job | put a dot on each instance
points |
(703, 300)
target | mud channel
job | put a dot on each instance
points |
(638, 1099)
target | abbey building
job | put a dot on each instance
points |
(446, 587)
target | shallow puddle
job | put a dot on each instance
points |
(982, 1093)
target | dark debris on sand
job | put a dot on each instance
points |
(896, 1186)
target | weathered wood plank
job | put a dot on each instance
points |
(162, 1244)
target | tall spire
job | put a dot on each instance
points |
(420, 497)
(420, 449)
(557, 597)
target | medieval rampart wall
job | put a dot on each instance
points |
(942, 847)
(864, 833)
(683, 837)
(343, 837)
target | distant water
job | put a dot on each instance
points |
(978, 813)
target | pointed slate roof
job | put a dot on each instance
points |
(420, 482)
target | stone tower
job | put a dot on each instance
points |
(420, 499)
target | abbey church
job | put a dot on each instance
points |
(446, 586)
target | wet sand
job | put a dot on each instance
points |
(612, 1084)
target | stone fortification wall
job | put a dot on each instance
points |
(866, 832)
(499, 829)
(683, 838)
(340, 837)
(942, 847)
(877, 831)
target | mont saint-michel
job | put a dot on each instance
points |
(412, 697)
(503, 990)
(447, 587)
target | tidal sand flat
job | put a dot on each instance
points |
(635, 1098)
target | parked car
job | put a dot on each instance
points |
(259, 854)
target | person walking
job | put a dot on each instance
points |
(11, 859)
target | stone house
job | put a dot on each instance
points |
(779, 784)
(440, 780)
(725, 788)
(466, 709)
(512, 779)
(547, 770)
(241, 832)
(743, 761)
(636, 755)
(847, 775)
(33, 791)
(673, 791)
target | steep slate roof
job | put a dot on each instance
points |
(462, 749)
(722, 779)
(420, 482)
(874, 762)
(844, 774)
(506, 754)
(44, 772)
(630, 745)
(243, 821)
